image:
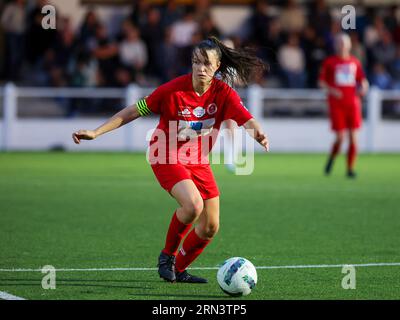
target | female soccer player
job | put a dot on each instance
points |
(191, 109)
(343, 78)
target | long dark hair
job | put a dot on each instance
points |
(236, 64)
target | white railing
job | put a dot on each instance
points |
(254, 96)
(375, 97)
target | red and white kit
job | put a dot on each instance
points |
(344, 75)
(187, 130)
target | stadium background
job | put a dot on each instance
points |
(141, 44)
(149, 41)
(89, 212)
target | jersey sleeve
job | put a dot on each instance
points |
(235, 109)
(153, 102)
(360, 75)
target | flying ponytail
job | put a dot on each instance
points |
(236, 64)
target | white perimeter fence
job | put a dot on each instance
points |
(287, 134)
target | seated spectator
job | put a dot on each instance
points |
(65, 44)
(395, 24)
(83, 74)
(292, 17)
(13, 22)
(357, 48)
(138, 16)
(106, 52)
(315, 52)
(384, 51)
(170, 13)
(133, 52)
(39, 40)
(391, 18)
(43, 71)
(373, 31)
(168, 55)
(87, 31)
(259, 22)
(83, 71)
(334, 29)
(208, 28)
(292, 62)
(319, 17)
(183, 29)
(152, 35)
(395, 68)
(380, 77)
(270, 48)
(201, 9)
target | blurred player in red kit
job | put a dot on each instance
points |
(344, 80)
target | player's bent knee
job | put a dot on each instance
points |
(352, 138)
(339, 138)
(193, 208)
(209, 231)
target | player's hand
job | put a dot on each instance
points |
(83, 135)
(262, 139)
(335, 92)
(362, 91)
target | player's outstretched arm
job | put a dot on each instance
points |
(254, 129)
(121, 118)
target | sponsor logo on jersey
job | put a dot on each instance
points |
(185, 113)
(191, 129)
(345, 74)
(212, 108)
(196, 125)
(199, 112)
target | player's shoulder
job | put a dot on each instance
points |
(355, 59)
(221, 87)
(331, 59)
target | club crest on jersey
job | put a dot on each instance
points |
(199, 112)
(212, 108)
(184, 113)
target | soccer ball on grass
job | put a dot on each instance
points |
(237, 277)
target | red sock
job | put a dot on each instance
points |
(191, 249)
(335, 150)
(176, 231)
(351, 156)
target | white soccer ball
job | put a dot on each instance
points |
(237, 276)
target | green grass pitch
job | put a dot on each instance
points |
(106, 210)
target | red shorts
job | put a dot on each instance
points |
(345, 116)
(202, 176)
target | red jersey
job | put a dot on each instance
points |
(343, 74)
(189, 123)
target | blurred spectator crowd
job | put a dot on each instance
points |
(154, 43)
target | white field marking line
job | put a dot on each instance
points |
(7, 296)
(378, 264)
